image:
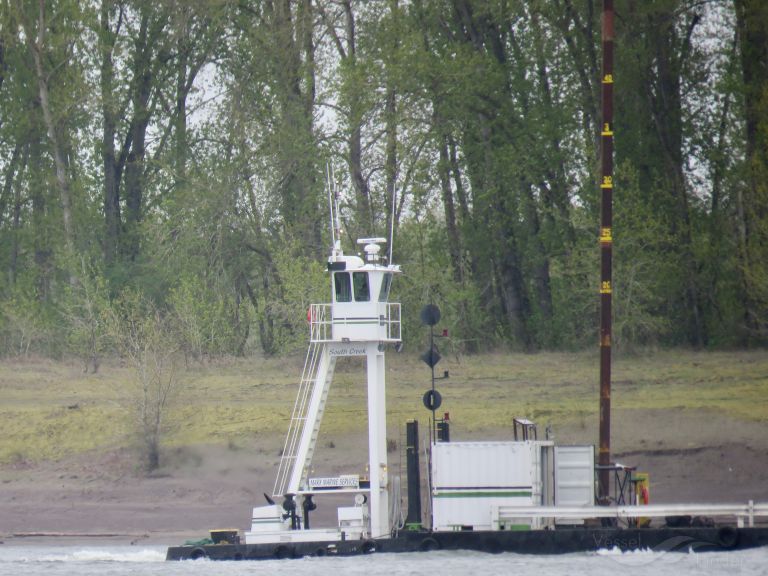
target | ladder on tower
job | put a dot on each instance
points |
(315, 382)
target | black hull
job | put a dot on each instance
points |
(560, 541)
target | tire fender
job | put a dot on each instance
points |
(728, 537)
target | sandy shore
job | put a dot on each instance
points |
(691, 455)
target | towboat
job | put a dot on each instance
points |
(526, 494)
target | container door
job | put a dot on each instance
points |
(574, 478)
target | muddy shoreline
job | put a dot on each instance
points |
(692, 456)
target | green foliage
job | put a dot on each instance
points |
(575, 279)
(209, 323)
(301, 282)
(645, 269)
(147, 340)
(28, 325)
(85, 310)
(195, 172)
(429, 279)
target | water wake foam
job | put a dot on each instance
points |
(88, 555)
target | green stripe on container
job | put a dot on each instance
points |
(482, 494)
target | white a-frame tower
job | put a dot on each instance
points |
(360, 321)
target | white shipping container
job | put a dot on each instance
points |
(471, 478)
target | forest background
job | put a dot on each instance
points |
(163, 170)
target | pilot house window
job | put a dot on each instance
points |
(342, 287)
(360, 282)
(386, 283)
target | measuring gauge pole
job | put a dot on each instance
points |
(606, 253)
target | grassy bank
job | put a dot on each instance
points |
(51, 410)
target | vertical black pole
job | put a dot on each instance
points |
(414, 474)
(606, 252)
(433, 429)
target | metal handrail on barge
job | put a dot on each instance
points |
(741, 512)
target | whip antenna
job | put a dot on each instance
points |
(337, 222)
(329, 187)
(392, 223)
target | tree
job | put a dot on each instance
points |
(353, 97)
(145, 338)
(184, 157)
(85, 309)
(752, 22)
(35, 33)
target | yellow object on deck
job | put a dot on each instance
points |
(642, 482)
(225, 536)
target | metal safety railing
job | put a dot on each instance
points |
(288, 457)
(742, 512)
(321, 323)
(392, 322)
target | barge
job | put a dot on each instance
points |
(525, 494)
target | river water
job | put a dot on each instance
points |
(149, 561)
